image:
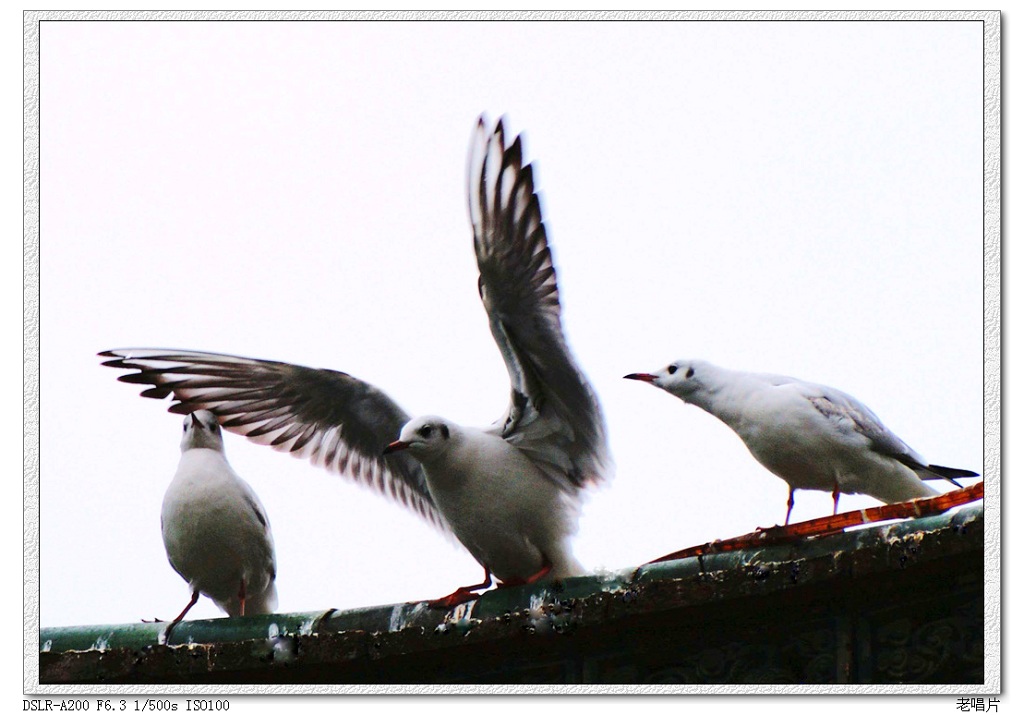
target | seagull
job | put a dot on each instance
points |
(215, 529)
(811, 436)
(511, 492)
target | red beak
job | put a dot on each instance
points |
(643, 376)
(395, 446)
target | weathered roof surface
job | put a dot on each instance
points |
(898, 603)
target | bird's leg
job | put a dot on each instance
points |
(545, 569)
(172, 624)
(835, 498)
(462, 593)
(192, 602)
(241, 596)
(789, 505)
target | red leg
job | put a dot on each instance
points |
(545, 569)
(463, 593)
(789, 505)
(170, 627)
(195, 599)
(241, 596)
(835, 499)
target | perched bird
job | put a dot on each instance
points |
(511, 492)
(216, 532)
(811, 436)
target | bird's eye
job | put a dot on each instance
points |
(425, 431)
(689, 373)
(672, 369)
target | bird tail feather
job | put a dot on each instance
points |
(934, 471)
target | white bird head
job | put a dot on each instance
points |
(424, 437)
(682, 378)
(201, 431)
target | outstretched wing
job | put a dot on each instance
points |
(846, 410)
(553, 413)
(330, 418)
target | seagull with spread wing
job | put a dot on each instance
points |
(511, 492)
(811, 436)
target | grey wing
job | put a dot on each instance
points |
(843, 408)
(776, 380)
(330, 418)
(267, 545)
(553, 413)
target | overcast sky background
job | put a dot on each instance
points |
(795, 198)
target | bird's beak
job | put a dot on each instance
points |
(642, 376)
(195, 420)
(395, 446)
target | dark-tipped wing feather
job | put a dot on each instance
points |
(330, 418)
(553, 413)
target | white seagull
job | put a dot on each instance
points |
(510, 492)
(811, 436)
(215, 529)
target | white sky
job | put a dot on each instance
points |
(794, 198)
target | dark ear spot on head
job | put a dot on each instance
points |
(444, 431)
(689, 373)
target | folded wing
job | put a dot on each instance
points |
(850, 413)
